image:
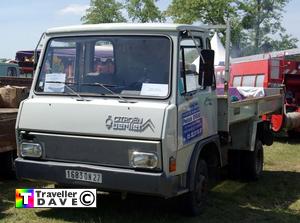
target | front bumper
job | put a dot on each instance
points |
(113, 179)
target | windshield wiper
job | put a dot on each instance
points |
(80, 98)
(106, 87)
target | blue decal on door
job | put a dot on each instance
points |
(191, 123)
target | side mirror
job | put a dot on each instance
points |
(206, 68)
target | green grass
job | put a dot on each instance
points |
(274, 198)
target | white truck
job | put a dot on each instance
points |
(121, 107)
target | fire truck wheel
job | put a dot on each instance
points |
(292, 134)
(253, 162)
(195, 200)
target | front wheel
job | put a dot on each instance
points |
(194, 200)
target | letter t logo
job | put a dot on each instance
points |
(25, 197)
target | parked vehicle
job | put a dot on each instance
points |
(276, 70)
(9, 70)
(25, 60)
(151, 124)
(8, 148)
(10, 98)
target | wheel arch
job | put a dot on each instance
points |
(207, 149)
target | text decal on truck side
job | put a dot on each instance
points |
(126, 123)
(192, 124)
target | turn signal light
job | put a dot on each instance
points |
(172, 164)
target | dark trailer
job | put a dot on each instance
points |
(25, 60)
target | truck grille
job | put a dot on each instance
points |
(93, 150)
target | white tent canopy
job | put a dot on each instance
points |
(219, 49)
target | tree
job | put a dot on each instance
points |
(285, 41)
(261, 18)
(253, 21)
(189, 11)
(144, 11)
(209, 12)
(103, 11)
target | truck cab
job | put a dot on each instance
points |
(126, 107)
(9, 70)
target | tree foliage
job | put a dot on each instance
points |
(111, 11)
(210, 12)
(144, 11)
(285, 41)
(103, 11)
(189, 11)
(261, 18)
(254, 22)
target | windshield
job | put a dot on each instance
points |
(127, 65)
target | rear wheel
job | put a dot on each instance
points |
(254, 161)
(194, 200)
(235, 163)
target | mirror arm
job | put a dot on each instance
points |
(198, 49)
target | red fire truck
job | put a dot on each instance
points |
(276, 69)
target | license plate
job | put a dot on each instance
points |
(84, 176)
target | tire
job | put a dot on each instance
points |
(235, 164)
(292, 134)
(195, 200)
(253, 162)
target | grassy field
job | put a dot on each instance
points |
(274, 198)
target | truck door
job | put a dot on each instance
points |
(197, 105)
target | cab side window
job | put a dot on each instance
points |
(189, 65)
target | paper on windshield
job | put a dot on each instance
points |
(191, 82)
(55, 87)
(159, 90)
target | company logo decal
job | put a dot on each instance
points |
(130, 124)
(192, 123)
